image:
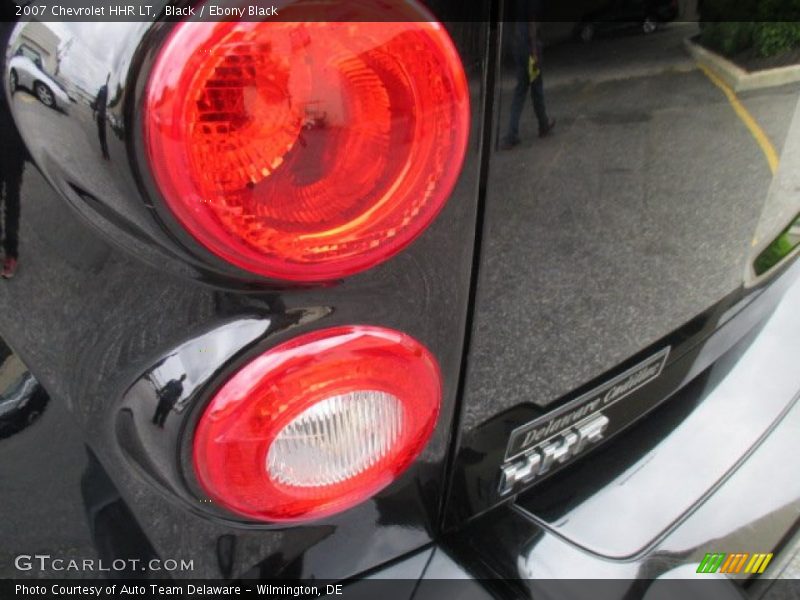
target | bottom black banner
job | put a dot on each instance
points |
(717, 588)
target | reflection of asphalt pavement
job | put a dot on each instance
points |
(632, 219)
(57, 505)
(79, 128)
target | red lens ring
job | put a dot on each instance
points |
(234, 434)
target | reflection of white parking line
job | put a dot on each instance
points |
(752, 125)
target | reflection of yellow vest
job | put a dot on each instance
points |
(533, 68)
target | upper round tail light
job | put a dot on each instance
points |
(317, 424)
(308, 151)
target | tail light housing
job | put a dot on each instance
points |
(304, 150)
(317, 424)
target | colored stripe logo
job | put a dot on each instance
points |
(720, 562)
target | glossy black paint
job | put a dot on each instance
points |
(693, 348)
(107, 301)
(22, 398)
(540, 280)
(632, 229)
(745, 507)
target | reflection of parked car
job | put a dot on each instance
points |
(27, 71)
(21, 404)
(626, 15)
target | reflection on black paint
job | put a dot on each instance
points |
(12, 161)
(167, 397)
(226, 553)
(99, 109)
(115, 532)
(527, 51)
(22, 398)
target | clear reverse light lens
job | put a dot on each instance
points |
(336, 439)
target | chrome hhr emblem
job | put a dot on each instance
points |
(557, 450)
(554, 439)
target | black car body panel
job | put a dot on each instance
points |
(553, 269)
(741, 508)
(632, 233)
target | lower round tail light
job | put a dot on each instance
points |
(306, 150)
(317, 424)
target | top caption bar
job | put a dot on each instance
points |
(240, 10)
(353, 10)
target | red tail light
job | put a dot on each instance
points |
(308, 150)
(318, 424)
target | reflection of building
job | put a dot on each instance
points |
(42, 39)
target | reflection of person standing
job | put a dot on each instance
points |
(100, 106)
(528, 70)
(167, 397)
(12, 161)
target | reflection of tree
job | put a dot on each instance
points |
(763, 28)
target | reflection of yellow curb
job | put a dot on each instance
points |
(736, 77)
(752, 125)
